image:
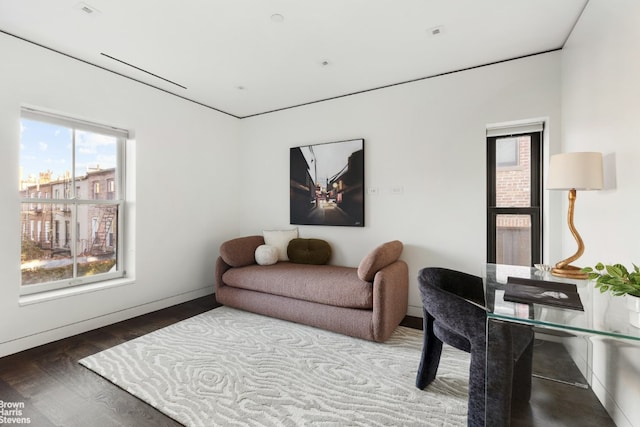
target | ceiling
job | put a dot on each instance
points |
(248, 57)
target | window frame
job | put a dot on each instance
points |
(534, 210)
(73, 201)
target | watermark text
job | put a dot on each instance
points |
(13, 413)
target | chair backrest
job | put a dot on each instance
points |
(461, 284)
(455, 300)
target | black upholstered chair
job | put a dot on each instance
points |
(453, 306)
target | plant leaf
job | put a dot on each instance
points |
(614, 270)
(615, 278)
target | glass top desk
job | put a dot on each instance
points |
(603, 316)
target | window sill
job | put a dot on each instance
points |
(72, 291)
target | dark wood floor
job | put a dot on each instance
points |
(57, 391)
(558, 404)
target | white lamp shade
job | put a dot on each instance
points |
(580, 171)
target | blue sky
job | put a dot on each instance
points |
(45, 146)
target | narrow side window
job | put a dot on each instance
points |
(514, 229)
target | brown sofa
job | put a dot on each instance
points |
(368, 301)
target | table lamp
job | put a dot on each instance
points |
(574, 171)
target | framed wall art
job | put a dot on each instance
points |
(327, 184)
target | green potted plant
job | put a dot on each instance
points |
(619, 280)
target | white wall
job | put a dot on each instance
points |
(601, 112)
(202, 177)
(427, 137)
(182, 207)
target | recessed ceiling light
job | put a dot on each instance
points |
(86, 8)
(276, 17)
(435, 31)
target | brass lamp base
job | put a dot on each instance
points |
(568, 271)
(563, 268)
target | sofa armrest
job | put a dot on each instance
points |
(390, 299)
(241, 251)
(221, 267)
(380, 257)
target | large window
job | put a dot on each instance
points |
(514, 226)
(71, 230)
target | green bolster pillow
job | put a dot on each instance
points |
(309, 251)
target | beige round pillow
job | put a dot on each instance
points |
(266, 255)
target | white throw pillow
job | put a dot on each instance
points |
(280, 239)
(266, 255)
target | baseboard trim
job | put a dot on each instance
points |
(414, 311)
(609, 403)
(24, 343)
(412, 322)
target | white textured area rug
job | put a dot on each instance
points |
(229, 367)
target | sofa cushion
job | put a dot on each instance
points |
(309, 251)
(379, 258)
(324, 284)
(280, 239)
(241, 251)
(266, 255)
